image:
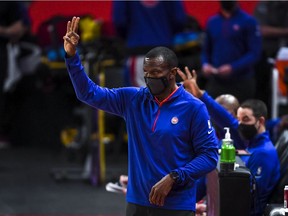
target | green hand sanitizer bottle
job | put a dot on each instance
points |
(227, 158)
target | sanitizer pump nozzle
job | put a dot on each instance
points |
(227, 134)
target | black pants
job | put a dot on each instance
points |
(242, 89)
(137, 210)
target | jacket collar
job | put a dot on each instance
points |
(258, 139)
(172, 96)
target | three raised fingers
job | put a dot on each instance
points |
(72, 26)
(188, 73)
(75, 22)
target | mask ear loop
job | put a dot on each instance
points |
(258, 125)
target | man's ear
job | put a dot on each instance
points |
(262, 120)
(173, 73)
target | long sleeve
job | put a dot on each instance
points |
(222, 119)
(205, 146)
(109, 100)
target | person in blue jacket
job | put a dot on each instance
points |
(263, 162)
(171, 142)
(144, 25)
(232, 46)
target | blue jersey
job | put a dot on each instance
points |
(235, 40)
(172, 135)
(263, 162)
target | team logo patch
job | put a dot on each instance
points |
(174, 120)
(236, 27)
(149, 3)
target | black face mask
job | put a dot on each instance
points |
(156, 85)
(247, 132)
(228, 5)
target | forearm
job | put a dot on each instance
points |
(270, 31)
(90, 92)
(199, 167)
(218, 113)
(247, 60)
(251, 57)
(80, 81)
(13, 32)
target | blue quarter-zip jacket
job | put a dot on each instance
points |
(175, 134)
(235, 41)
(263, 162)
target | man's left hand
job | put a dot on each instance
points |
(225, 70)
(160, 190)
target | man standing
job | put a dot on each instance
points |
(231, 48)
(171, 142)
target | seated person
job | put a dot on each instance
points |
(263, 162)
(229, 102)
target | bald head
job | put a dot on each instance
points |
(229, 102)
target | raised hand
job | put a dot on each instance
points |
(71, 38)
(190, 82)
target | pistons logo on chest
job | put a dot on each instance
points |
(174, 120)
(149, 3)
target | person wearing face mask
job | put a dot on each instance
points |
(171, 142)
(232, 46)
(263, 162)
